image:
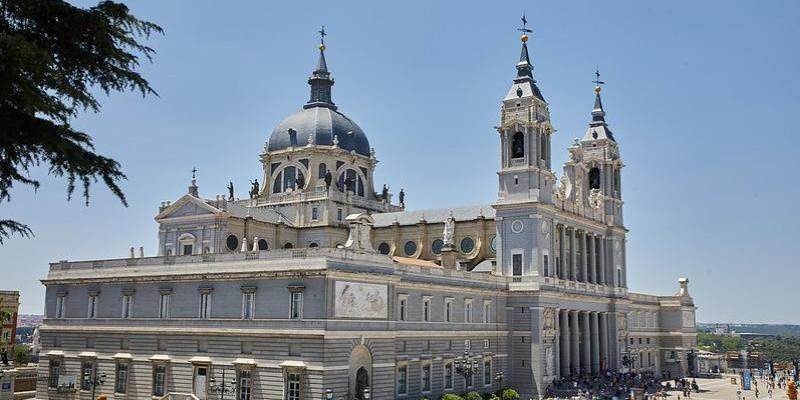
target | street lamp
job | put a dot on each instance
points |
(498, 376)
(224, 387)
(367, 394)
(329, 394)
(97, 381)
(466, 366)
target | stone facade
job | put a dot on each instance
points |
(317, 283)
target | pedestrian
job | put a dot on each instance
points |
(769, 393)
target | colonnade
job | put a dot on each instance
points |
(581, 256)
(583, 342)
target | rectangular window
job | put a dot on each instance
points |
(402, 379)
(485, 343)
(245, 384)
(448, 375)
(314, 213)
(163, 306)
(121, 378)
(426, 377)
(448, 310)
(468, 380)
(87, 374)
(293, 386)
(516, 262)
(487, 311)
(402, 313)
(338, 214)
(127, 306)
(205, 305)
(467, 310)
(60, 306)
(426, 309)
(487, 372)
(248, 304)
(296, 308)
(187, 249)
(92, 312)
(467, 344)
(55, 372)
(159, 379)
(546, 266)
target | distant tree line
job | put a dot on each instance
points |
(779, 349)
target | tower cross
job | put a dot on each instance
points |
(524, 28)
(322, 34)
(194, 171)
(597, 80)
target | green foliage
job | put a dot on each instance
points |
(490, 396)
(779, 349)
(52, 55)
(719, 343)
(450, 396)
(472, 396)
(509, 394)
(22, 354)
(5, 316)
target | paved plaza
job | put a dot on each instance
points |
(722, 389)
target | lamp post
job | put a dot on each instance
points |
(95, 382)
(329, 394)
(367, 394)
(466, 366)
(224, 387)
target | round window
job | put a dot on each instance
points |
(384, 248)
(517, 226)
(410, 248)
(467, 245)
(493, 244)
(436, 246)
(288, 245)
(262, 244)
(232, 242)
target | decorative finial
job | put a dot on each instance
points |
(525, 31)
(598, 83)
(194, 172)
(322, 38)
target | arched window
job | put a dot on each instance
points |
(313, 245)
(384, 248)
(616, 180)
(290, 178)
(543, 146)
(288, 245)
(594, 178)
(262, 244)
(323, 169)
(518, 145)
(350, 181)
(187, 241)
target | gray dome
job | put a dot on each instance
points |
(324, 123)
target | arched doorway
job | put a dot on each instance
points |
(362, 382)
(360, 372)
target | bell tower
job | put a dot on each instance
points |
(525, 131)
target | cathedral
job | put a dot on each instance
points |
(320, 285)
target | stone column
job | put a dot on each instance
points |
(564, 341)
(595, 335)
(584, 265)
(557, 343)
(603, 268)
(586, 351)
(574, 351)
(592, 258)
(573, 256)
(604, 340)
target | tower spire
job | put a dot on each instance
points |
(524, 84)
(598, 128)
(320, 80)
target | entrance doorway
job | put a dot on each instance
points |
(200, 382)
(362, 382)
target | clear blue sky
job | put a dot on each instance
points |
(703, 98)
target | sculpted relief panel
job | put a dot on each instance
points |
(361, 300)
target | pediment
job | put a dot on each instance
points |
(187, 206)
